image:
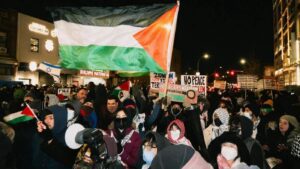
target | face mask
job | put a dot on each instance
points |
(71, 114)
(229, 153)
(218, 122)
(121, 123)
(148, 156)
(248, 115)
(175, 111)
(175, 134)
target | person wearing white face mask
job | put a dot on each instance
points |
(152, 144)
(175, 133)
(229, 158)
(248, 111)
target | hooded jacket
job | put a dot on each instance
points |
(182, 139)
(60, 115)
(161, 142)
(183, 157)
(253, 146)
(214, 147)
(55, 147)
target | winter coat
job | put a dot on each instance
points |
(130, 153)
(54, 145)
(179, 157)
(295, 151)
(253, 146)
(6, 153)
(214, 148)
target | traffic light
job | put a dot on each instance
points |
(216, 75)
(232, 73)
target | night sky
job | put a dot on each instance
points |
(225, 29)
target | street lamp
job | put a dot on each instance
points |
(243, 61)
(206, 57)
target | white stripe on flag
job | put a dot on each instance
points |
(83, 35)
(13, 116)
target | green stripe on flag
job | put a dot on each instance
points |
(19, 120)
(95, 57)
(132, 74)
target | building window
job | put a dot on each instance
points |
(34, 45)
(6, 69)
(3, 43)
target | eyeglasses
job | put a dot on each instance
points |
(121, 119)
(149, 146)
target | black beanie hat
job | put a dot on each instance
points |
(44, 113)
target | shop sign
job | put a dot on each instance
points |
(102, 74)
(38, 28)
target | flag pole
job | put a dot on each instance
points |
(33, 112)
(170, 49)
(166, 89)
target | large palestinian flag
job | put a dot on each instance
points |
(127, 38)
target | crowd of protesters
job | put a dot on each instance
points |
(226, 130)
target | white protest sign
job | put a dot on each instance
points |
(64, 91)
(247, 81)
(158, 79)
(198, 81)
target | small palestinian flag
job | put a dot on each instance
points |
(122, 91)
(24, 115)
(126, 38)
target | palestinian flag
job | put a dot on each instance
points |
(127, 38)
(122, 91)
(21, 116)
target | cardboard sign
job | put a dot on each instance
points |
(157, 79)
(64, 91)
(180, 93)
(247, 81)
(220, 84)
(266, 83)
(198, 81)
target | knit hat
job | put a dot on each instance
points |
(44, 113)
(291, 119)
(254, 108)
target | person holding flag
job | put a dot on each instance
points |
(54, 152)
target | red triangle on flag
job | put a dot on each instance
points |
(28, 112)
(155, 38)
(125, 86)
